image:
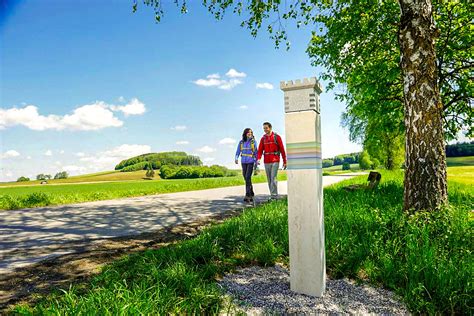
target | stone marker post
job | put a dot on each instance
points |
(305, 186)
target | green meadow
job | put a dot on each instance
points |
(116, 184)
(16, 197)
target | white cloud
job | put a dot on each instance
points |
(209, 82)
(215, 80)
(121, 99)
(206, 149)
(88, 117)
(209, 159)
(107, 160)
(29, 157)
(243, 107)
(232, 73)
(73, 169)
(80, 154)
(48, 153)
(264, 85)
(179, 127)
(228, 85)
(10, 154)
(134, 107)
(58, 163)
(182, 142)
(227, 141)
(61, 152)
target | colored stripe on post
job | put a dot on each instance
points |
(305, 155)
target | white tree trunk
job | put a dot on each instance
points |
(425, 159)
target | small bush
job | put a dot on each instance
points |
(138, 166)
(346, 166)
(192, 172)
(36, 199)
(364, 161)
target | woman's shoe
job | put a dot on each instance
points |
(246, 199)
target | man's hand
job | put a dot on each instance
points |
(236, 161)
(258, 162)
(284, 166)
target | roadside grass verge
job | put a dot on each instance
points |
(426, 258)
(36, 196)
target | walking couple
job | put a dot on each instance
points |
(271, 147)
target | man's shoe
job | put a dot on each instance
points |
(246, 199)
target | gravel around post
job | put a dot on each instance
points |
(257, 290)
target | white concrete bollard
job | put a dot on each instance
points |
(305, 186)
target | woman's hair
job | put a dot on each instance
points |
(244, 134)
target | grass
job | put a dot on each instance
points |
(461, 174)
(460, 161)
(92, 177)
(426, 258)
(35, 196)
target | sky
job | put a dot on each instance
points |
(86, 84)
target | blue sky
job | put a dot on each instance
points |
(85, 84)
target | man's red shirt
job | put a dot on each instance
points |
(267, 145)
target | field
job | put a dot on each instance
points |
(92, 177)
(460, 161)
(16, 197)
(426, 259)
(115, 184)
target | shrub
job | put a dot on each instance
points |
(183, 173)
(138, 166)
(150, 173)
(168, 172)
(328, 163)
(346, 166)
(22, 179)
(190, 172)
(375, 163)
(61, 175)
(364, 161)
(36, 199)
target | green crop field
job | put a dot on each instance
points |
(92, 177)
(16, 197)
(460, 161)
(115, 184)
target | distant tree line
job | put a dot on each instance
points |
(176, 158)
(189, 172)
(41, 176)
(460, 149)
(341, 159)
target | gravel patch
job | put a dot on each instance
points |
(258, 290)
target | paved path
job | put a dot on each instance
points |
(30, 235)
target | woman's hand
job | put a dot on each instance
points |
(236, 161)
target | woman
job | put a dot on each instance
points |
(247, 148)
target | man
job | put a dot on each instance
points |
(271, 146)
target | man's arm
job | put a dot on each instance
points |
(282, 149)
